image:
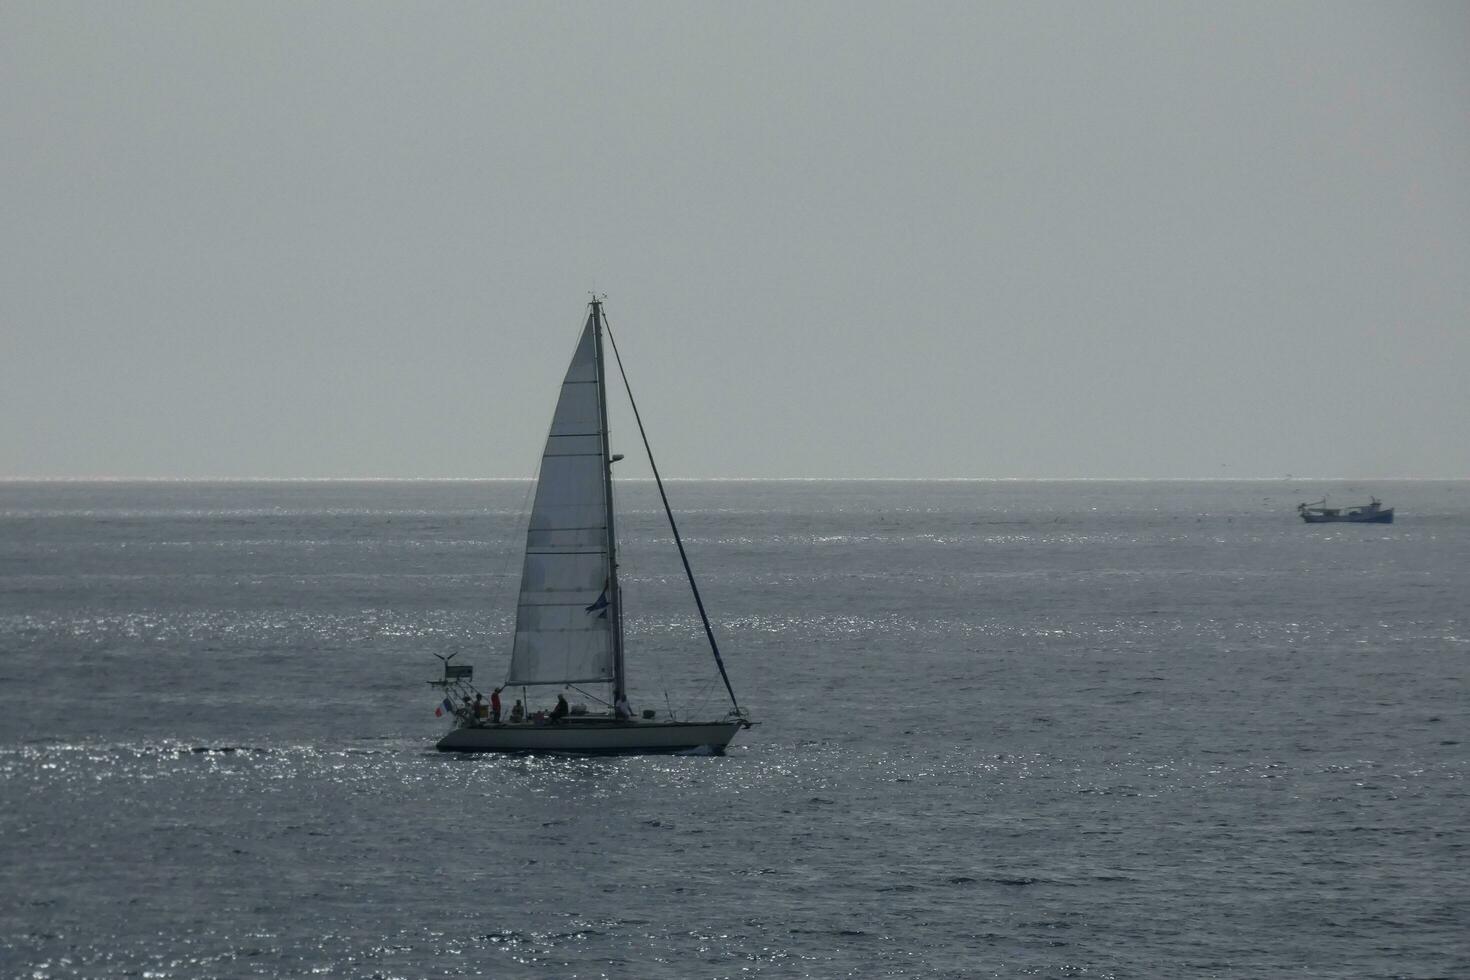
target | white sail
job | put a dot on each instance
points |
(565, 618)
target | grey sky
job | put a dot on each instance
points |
(1040, 240)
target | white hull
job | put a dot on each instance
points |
(593, 737)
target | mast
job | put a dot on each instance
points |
(614, 596)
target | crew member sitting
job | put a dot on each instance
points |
(561, 709)
(622, 709)
(518, 712)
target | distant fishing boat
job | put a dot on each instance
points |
(1372, 512)
(569, 615)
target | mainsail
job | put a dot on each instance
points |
(566, 618)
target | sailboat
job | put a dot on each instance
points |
(569, 614)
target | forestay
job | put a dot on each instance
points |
(565, 618)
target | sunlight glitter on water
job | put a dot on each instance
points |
(1043, 749)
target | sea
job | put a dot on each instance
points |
(1004, 729)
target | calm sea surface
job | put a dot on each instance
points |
(1007, 729)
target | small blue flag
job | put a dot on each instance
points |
(600, 604)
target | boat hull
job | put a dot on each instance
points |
(1379, 517)
(593, 737)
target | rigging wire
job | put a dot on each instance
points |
(658, 480)
(589, 694)
(701, 699)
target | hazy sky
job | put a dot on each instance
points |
(888, 240)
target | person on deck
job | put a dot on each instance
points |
(495, 704)
(479, 706)
(622, 709)
(518, 712)
(561, 709)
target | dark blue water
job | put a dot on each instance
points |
(1014, 729)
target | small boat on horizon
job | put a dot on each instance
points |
(1372, 512)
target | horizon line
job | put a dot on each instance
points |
(741, 479)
